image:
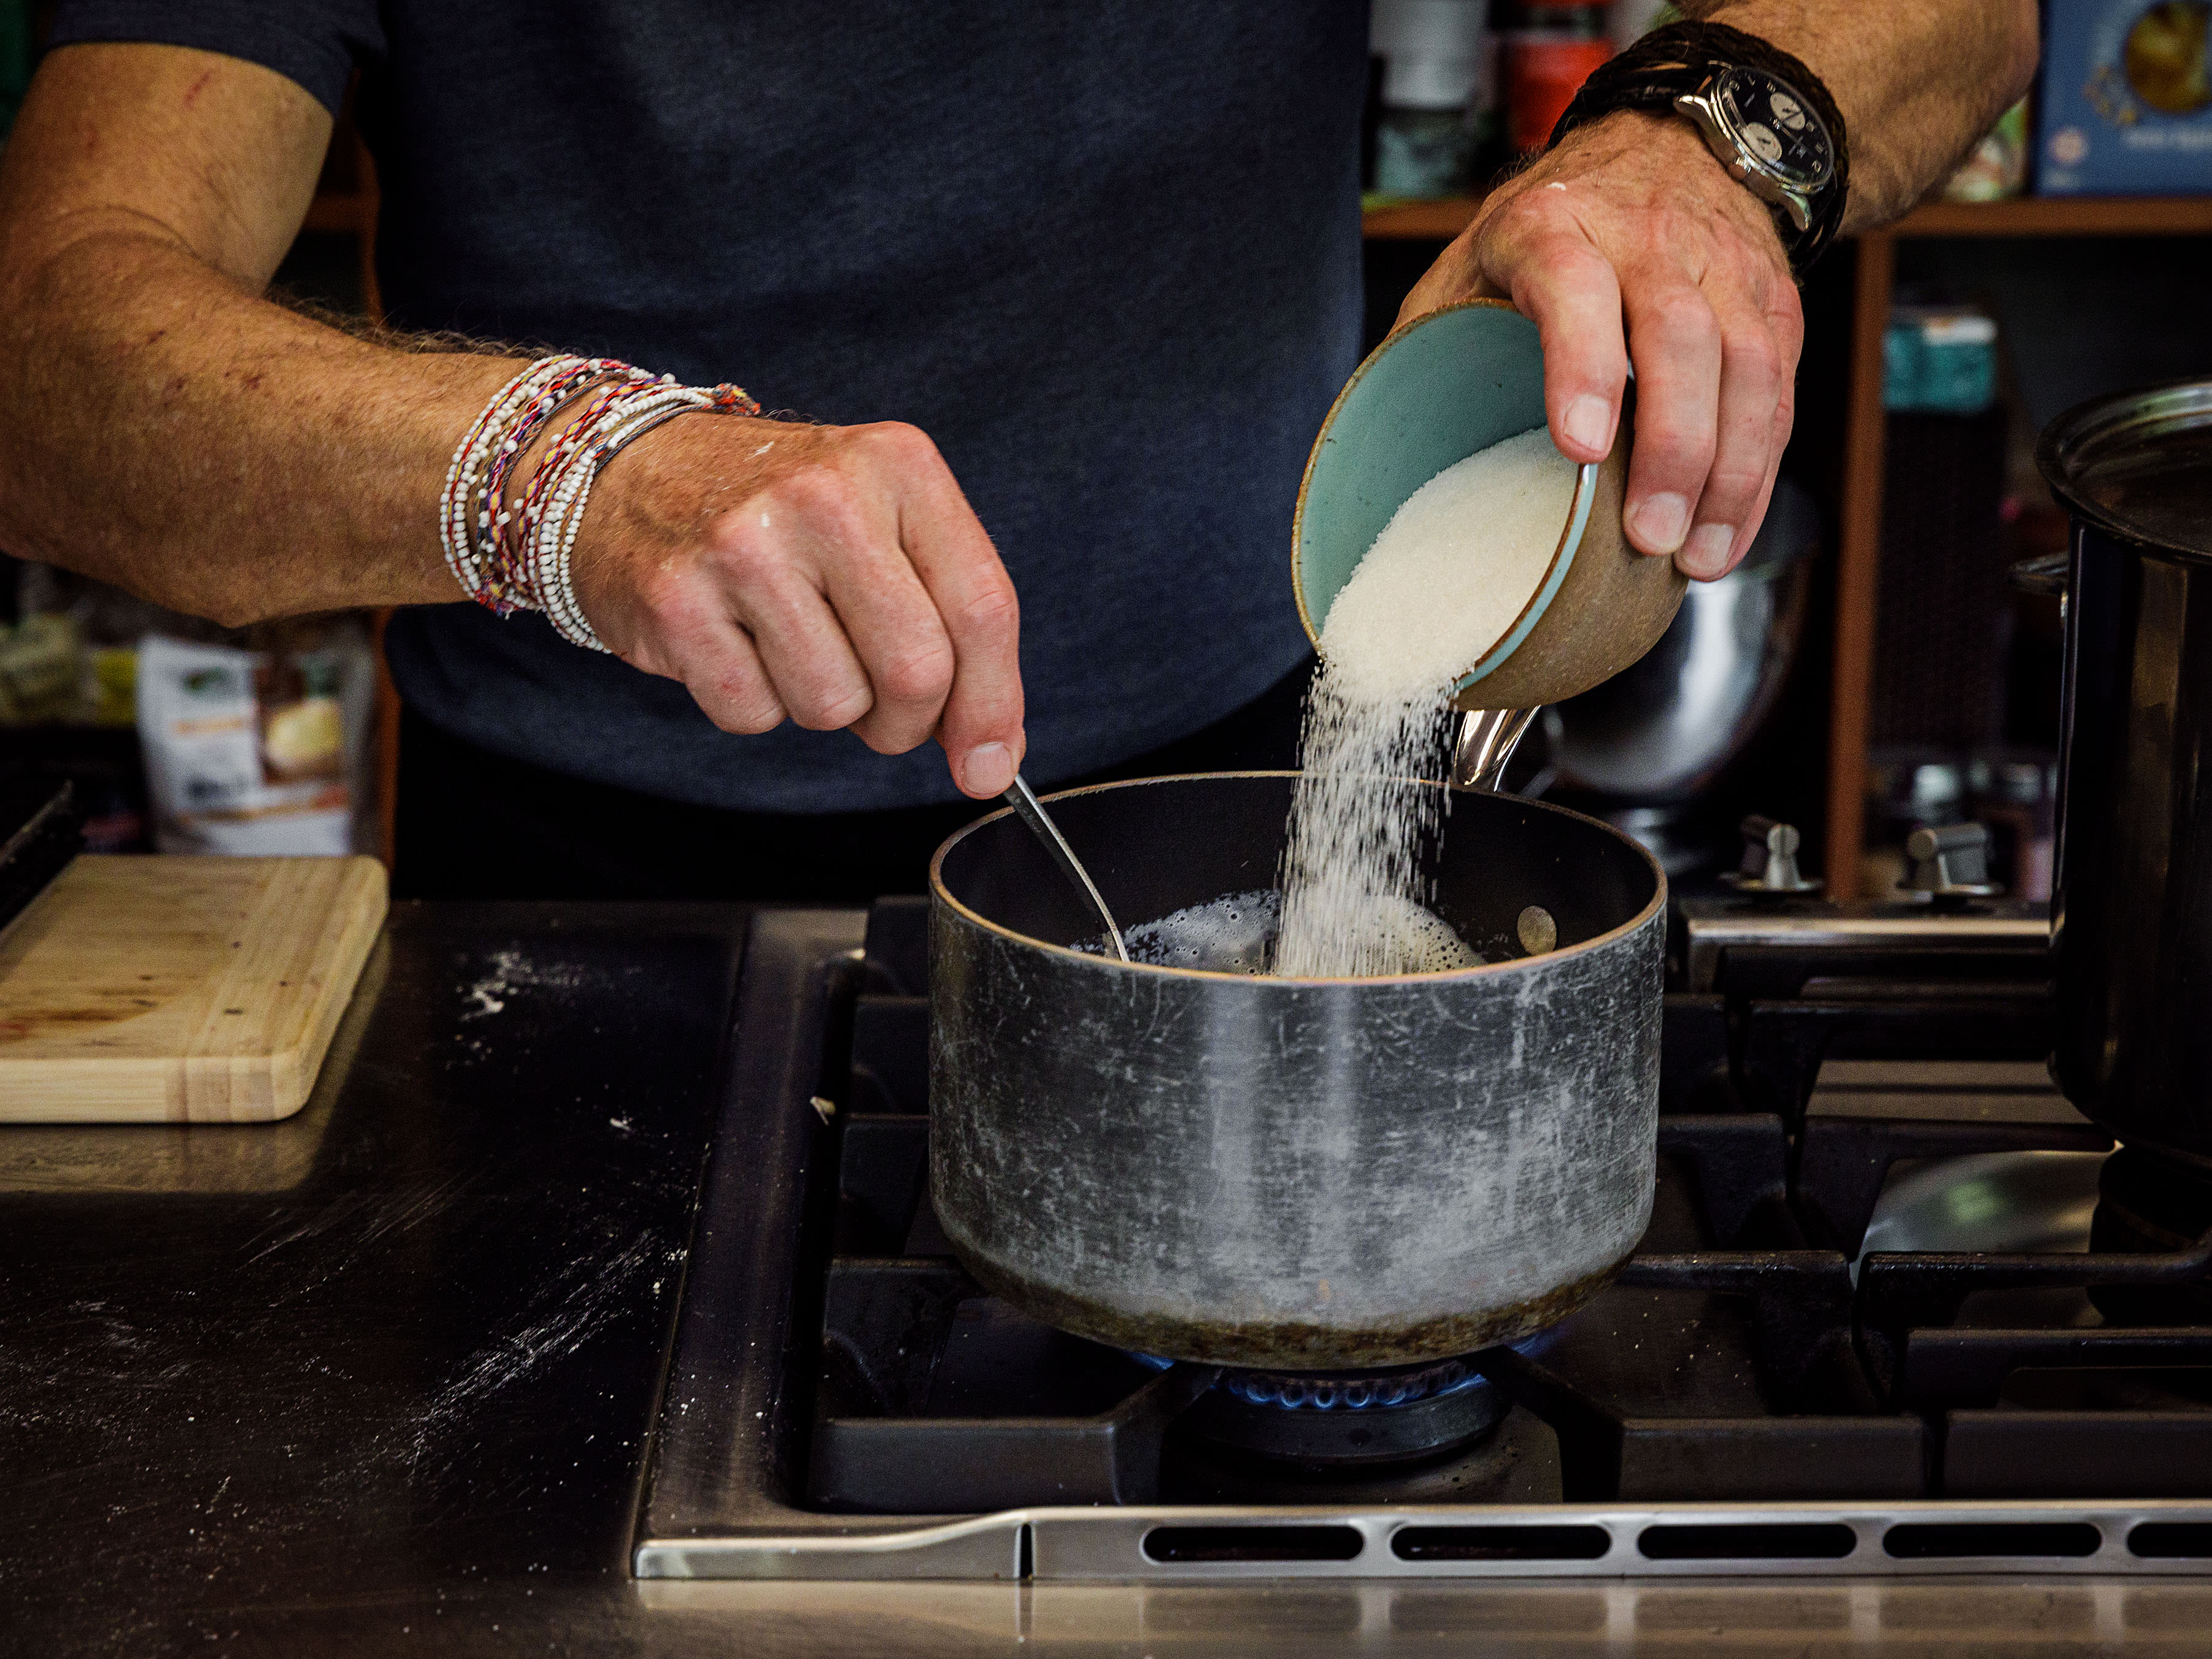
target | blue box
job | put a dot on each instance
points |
(1939, 362)
(2126, 107)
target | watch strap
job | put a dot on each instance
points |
(1677, 58)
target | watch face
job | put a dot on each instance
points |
(1770, 122)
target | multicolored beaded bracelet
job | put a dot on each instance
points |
(480, 462)
(515, 524)
(496, 588)
(641, 410)
(518, 558)
(455, 537)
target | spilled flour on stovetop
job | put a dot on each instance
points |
(512, 971)
(1445, 582)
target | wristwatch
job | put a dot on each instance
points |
(1764, 115)
(1759, 127)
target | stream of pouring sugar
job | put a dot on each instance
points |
(1353, 889)
(1449, 575)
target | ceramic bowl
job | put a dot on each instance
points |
(1439, 389)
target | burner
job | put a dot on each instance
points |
(2148, 1201)
(1347, 1419)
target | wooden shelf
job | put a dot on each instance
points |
(1419, 221)
(1859, 561)
(2026, 215)
(2061, 216)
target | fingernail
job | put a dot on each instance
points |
(1660, 522)
(1706, 553)
(1589, 421)
(988, 770)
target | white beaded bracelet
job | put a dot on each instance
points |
(554, 539)
(463, 474)
(520, 558)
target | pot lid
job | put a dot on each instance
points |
(2138, 465)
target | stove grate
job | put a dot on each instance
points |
(1747, 1398)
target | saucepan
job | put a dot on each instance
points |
(2131, 903)
(1219, 1166)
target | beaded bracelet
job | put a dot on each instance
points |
(638, 411)
(518, 558)
(496, 586)
(479, 466)
(514, 526)
(455, 536)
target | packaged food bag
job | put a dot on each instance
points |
(250, 752)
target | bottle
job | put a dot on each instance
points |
(1437, 58)
(1548, 50)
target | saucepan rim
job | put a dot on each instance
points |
(939, 893)
(2058, 454)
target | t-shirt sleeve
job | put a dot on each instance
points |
(316, 43)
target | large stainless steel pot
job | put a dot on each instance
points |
(2132, 897)
(1282, 1172)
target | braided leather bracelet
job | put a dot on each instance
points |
(1675, 59)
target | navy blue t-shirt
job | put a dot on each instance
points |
(1106, 254)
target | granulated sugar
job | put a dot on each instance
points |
(1446, 579)
(1358, 826)
(1451, 572)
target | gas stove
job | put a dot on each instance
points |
(1866, 1333)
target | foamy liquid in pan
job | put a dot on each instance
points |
(1232, 935)
(1235, 934)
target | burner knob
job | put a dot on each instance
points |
(1952, 862)
(1770, 859)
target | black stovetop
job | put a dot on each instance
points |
(835, 1361)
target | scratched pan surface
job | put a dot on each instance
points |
(1265, 1171)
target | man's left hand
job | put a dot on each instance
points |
(1632, 221)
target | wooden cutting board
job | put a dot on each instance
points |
(167, 990)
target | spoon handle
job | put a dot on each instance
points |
(1031, 812)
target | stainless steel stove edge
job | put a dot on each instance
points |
(1078, 1544)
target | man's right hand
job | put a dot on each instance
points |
(833, 575)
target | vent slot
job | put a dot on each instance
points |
(1919, 1542)
(2172, 1540)
(1500, 1543)
(1253, 1544)
(1810, 1541)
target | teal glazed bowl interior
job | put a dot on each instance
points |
(1456, 381)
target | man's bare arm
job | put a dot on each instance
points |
(1919, 81)
(164, 427)
(1630, 242)
(167, 429)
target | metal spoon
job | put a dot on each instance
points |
(1031, 812)
(1487, 737)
